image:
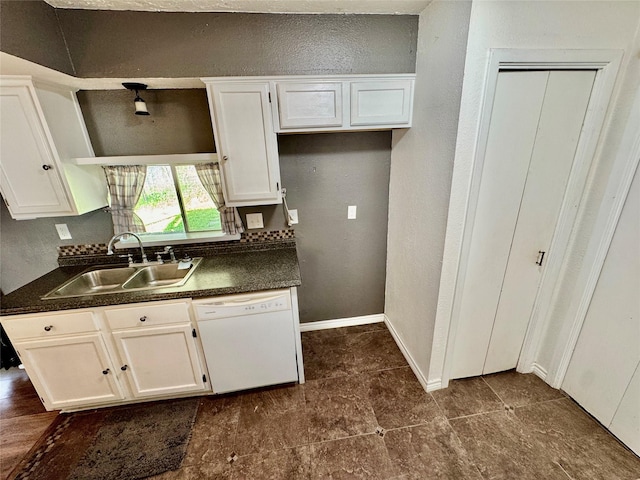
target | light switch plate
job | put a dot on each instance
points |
(63, 231)
(351, 212)
(293, 216)
(254, 220)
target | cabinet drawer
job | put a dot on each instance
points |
(42, 326)
(141, 315)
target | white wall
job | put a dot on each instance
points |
(538, 25)
(421, 166)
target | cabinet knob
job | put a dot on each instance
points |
(48, 328)
(47, 167)
(225, 158)
(143, 318)
(105, 372)
(124, 367)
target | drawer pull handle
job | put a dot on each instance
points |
(105, 372)
(124, 367)
(143, 318)
(48, 328)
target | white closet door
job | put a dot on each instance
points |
(563, 111)
(626, 422)
(535, 126)
(514, 120)
(608, 348)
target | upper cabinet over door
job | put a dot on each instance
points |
(387, 102)
(342, 103)
(245, 141)
(41, 130)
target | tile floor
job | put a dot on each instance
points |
(363, 415)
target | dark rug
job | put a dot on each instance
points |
(128, 443)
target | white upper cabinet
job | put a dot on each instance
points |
(386, 102)
(41, 130)
(342, 103)
(245, 141)
(304, 104)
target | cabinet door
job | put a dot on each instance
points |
(246, 143)
(70, 371)
(381, 102)
(29, 178)
(160, 360)
(304, 104)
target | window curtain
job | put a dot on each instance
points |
(209, 175)
(125, 187)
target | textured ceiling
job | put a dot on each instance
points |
(412, 7)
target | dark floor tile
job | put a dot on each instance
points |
(398, 399)
(338, 407)
(518, 389)
(363, 457)
(287, 464)
(374, 351)
(326, 354)
(467, 397)
(213, 434)
(272, 420)
(430, 451)
(210, 471)
(501, 448)
(578, 443)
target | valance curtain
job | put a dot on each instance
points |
(125, 187)
(209, 175)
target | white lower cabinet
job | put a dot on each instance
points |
(110, 355)
(70, 371)
(160, 360)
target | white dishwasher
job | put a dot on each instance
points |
(249, 340)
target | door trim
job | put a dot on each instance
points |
(460, 221)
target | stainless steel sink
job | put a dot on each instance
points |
(158, 276)
(103, 280)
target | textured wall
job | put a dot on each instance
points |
(28, 247)
(153, 44)
(342, 261)
(29, 29)
(179, 122)
(421, 167)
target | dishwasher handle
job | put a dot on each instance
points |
(241, 301)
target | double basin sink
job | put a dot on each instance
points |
(102, 280)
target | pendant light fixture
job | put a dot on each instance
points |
(140, 104)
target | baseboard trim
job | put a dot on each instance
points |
(539, 371)
(428, 386)
(341, 322)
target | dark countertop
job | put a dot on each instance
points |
(220, 274)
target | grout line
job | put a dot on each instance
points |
(477, 414)
(494, 392)
(565, 472)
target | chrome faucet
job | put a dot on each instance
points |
(119, 235)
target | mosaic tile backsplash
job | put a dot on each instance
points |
(100, 249)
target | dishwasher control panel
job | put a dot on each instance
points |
(243, 304)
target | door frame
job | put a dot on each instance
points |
(460, 221)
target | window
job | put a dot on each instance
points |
(173, 200)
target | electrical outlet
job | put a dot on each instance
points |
(254, 220)
(63, 231)
(351, 212)
(293, 217)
